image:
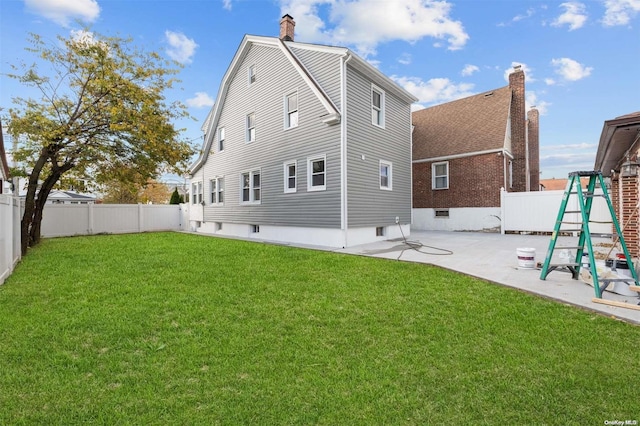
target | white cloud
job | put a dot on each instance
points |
(620, 12)
(226, 4)
(200, 100)
(435, 90)
(574, 16)
(549, 81)
(366, 23)
(529, 13)
(181, 48)
(64, 11)
(532, 101)
(405, 59)
(570, 70)
(528, 72)
(469, 69)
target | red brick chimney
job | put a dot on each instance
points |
(518, 129)
(533, 132)
(287, 25)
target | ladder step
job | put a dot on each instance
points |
(611, 280)
(569, 248)
(616, 303)
(559, 265)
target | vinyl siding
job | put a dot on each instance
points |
(275, 78)
(325, 69)
(368, 205)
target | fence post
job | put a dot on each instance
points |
(91, 220)
(502, 210)
(140, 221)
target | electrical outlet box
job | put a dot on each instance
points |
(397, 219)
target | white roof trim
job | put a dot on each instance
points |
(463, 155)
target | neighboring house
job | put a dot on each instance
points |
(305, 144)
(69, 197)
(617, 159)
(554, 184)
(466, 151)
(5, 175)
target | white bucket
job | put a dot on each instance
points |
(526, 257)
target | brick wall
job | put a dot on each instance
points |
(629, 215)
(473, 182)
(533, 129)
(518, 129)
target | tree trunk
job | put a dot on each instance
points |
(43, 194)
(29, 203)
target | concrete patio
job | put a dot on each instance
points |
(492, 257)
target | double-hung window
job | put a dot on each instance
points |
(290, 177)
(316, 174)
(221, 137)
(291, 111)
(217, 190)
(196, 192)
(377, 106)
(252, 74)
(250, 187)
(251, 127)
(440, 173)
(385, 175)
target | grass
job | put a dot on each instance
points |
(170, 328)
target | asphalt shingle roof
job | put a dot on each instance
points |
(472, 124)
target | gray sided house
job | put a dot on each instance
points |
(306, 144)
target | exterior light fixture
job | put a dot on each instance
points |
(629, 168)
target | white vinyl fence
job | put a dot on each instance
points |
(62, 220)
(9, 235)
(537, 212)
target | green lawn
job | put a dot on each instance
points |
(171, 328)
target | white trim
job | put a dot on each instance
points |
(389, 165)
(381, 109)
(286, 165)
(220, 130)
(433, 175)
(310, 160)
(463, 155)
(247, 129)
(219, 189)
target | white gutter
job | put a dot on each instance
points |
(344, 219)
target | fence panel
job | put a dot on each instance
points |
(9, 235)
(537, 212)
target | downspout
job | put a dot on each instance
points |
(343, 150)
(527, 172)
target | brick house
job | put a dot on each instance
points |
(617, 158)
(466, 150)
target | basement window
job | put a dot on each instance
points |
(443, 213)
(255, 229)
(380, 231)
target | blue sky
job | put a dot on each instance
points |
(581, 58)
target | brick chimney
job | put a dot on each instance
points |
(533, 132)
(287, 25)
(518, 129)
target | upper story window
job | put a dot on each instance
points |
(251, 187)
(252, 74)
(385, 175)
(440, 175)
(291, 111)
(290, 177)
(217, 191)
(316, 174)
(251, 127)
(377, 106)
(196, 193)
(221, 137)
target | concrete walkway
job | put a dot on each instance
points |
(493, 257)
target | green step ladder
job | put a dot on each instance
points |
(585, 201)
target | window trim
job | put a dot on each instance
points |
(433, 175)
(221, 138)
(248, 129)
(382, 108)
(219, 189)
(287, 113)
(310, 161)
(286, 175)
(251, 187)
(389, 165)
(197, 189)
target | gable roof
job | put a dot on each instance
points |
(470, 125)
(617, 138)
(333, 115)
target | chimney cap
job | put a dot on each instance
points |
(517, 67)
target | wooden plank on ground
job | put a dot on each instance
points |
(616, 303)
(634, 288)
